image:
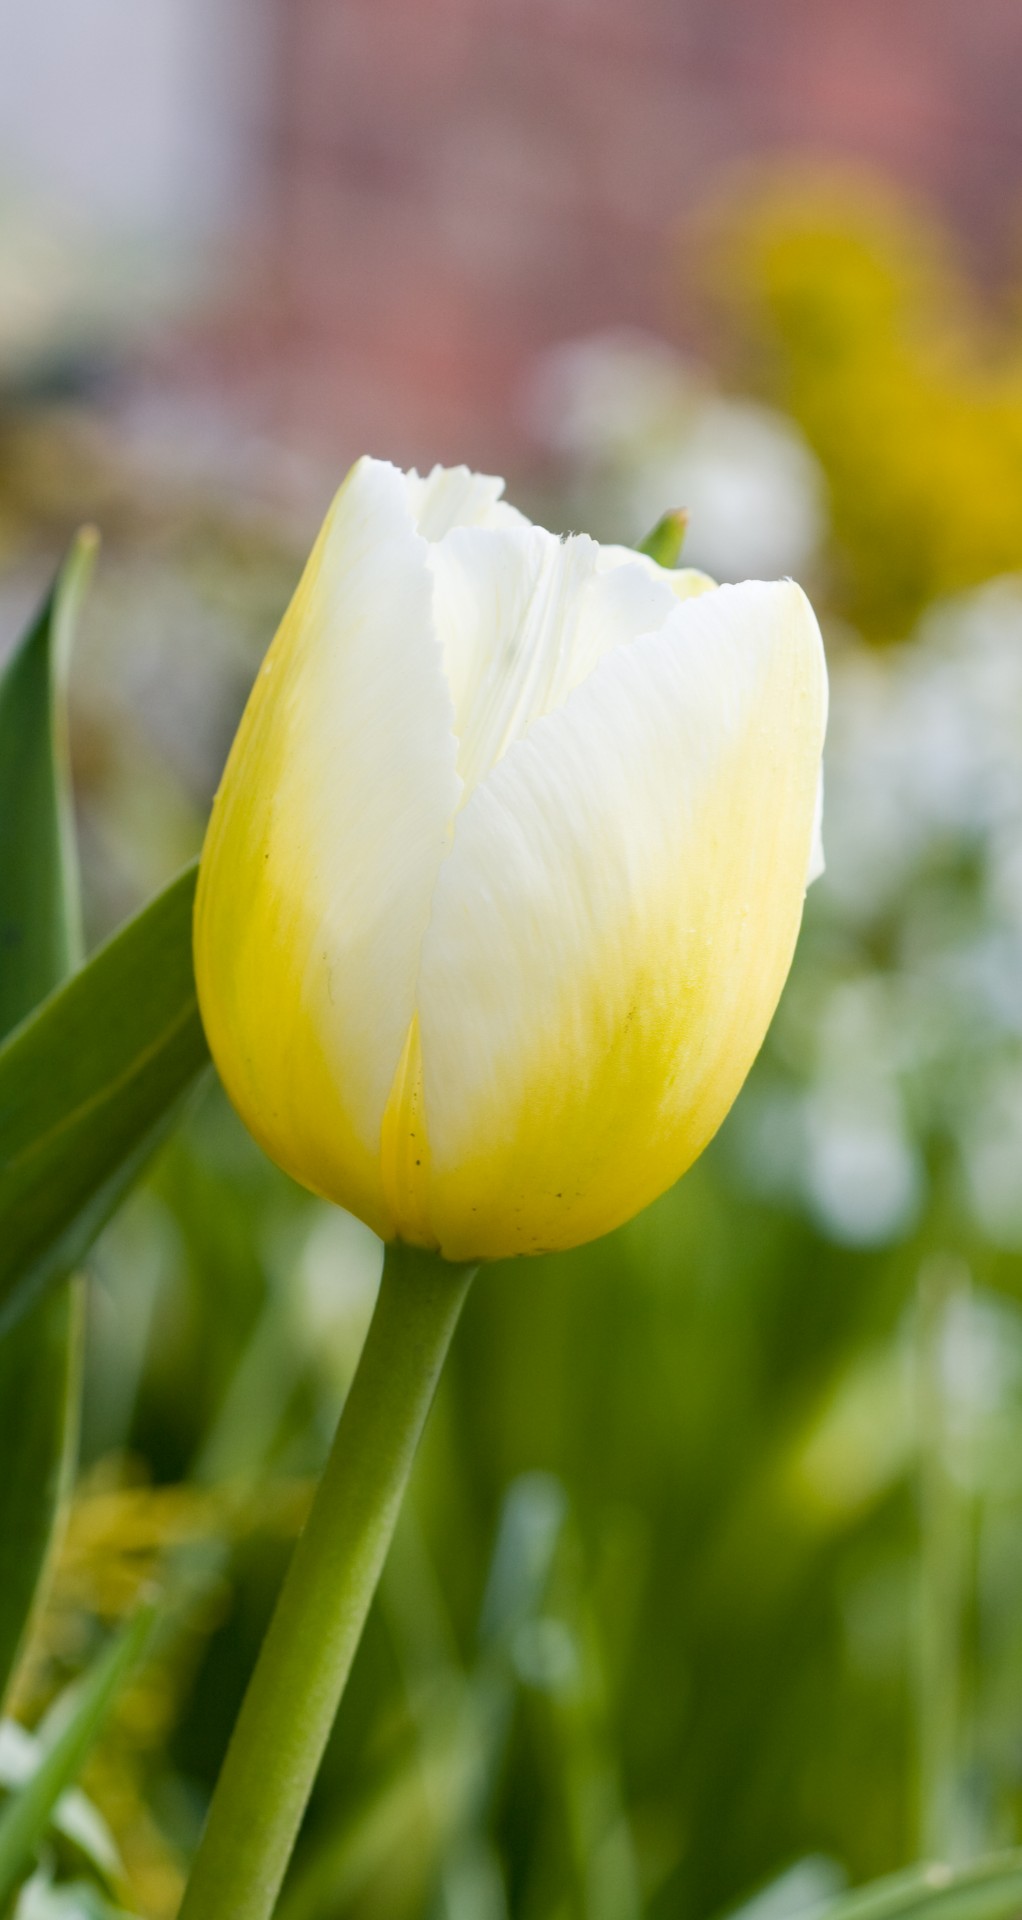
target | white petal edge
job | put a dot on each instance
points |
(448, 497)
(684, 582)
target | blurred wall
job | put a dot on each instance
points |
(376, 212)
(456, 183)
(130, 168)
(131, 117)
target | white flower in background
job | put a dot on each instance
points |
(606, 397)
(751, 486)
(925, 748)
(862, 1172)
(906, 1020)
(637, 429)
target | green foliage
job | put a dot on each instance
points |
(665, 542)
(40, 941)
(89, 1086)
(40, 1351)
(40, 928)
(990, 1891)
(79, 1839)
(27, 1813)
(43, 1899)
(40, 1363)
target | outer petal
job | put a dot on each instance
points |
(613, 927)
(324, 845)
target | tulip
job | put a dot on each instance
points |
(499, 893)
(505, 874)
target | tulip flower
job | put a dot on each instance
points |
(499, 893)
(505, 874)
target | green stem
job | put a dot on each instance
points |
(294, 1693)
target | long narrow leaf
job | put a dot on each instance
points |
(89, 1086)
(40, 1380)
(40, 942)
(40, 921)
(991, 1890)
(27, 1814)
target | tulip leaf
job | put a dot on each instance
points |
(665, 542)
(989, 1890)
(85, 1838)
(40, 942)
(40, 1377)
(40, 928)
(28, 1813)
(90, 1084)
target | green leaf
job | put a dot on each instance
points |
(89, 1086)
(40, 942)
(40, 924)
(28, 1813)
(42, 1899)
(665, 542)
(991, 1890)
(86, 1843)
(40, 1377)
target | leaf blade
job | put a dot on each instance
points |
(89, 1086)
(27, 1815)
(40, 919)
(40, 1396)
(40, 942)
(990, 1889)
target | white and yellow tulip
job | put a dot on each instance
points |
(505, 873)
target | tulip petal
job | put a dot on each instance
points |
(614, 924)
(456, 497)
(326, 838)
(524, 618)
(684, 582)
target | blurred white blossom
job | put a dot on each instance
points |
(862, 1171)
(900, 1036)
(639, 432)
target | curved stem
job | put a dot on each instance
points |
(293, 1695)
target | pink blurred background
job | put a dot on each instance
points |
(350, 224)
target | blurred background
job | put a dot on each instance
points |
(708, 1594)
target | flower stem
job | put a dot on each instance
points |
(294, 1693)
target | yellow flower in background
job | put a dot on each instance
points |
(844, 299)
(506, 869)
